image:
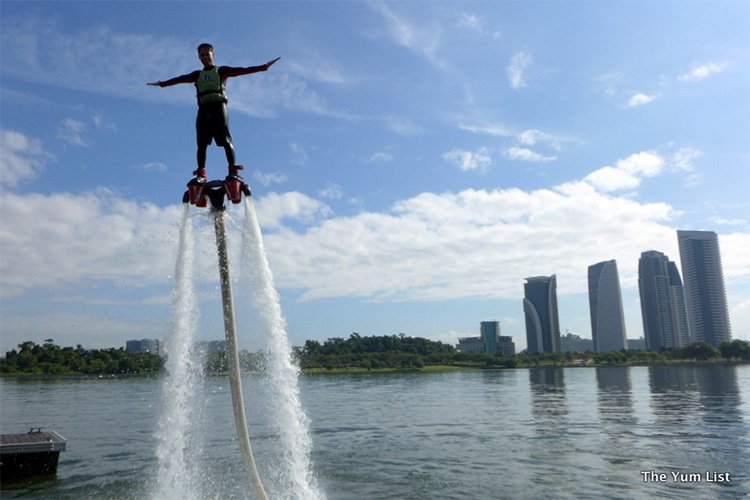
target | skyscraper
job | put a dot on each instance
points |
(662, 302)
(705, 295)
(540, 309)
(605, 306)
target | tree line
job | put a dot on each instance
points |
(356, 352)
(402, 352)
(49, 358)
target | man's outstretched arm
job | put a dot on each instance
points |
(229, 71)
(189, 78)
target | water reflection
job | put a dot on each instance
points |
(617, 419)
(551, 442)
(697, 410)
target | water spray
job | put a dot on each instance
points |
(200, 194)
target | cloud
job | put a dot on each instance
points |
(468, 160)
(403, 126)
(70, 132)
(419, 37)
(702, 71)
(517, 68)
(154, 166)
(299, 154)
(22, 159)
(475, 23)
(525, 154)
(497, 130)
(274, 208)
(472, 243)
(49, 54)
(639, 99)
(266, 179)
(380, 156)
(532, 137)
(627, 173)
(332, 191)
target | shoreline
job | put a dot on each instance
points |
(361, 370)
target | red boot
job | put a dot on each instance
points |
(200, 174)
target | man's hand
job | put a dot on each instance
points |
(271, 63)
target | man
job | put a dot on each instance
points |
(212, 122)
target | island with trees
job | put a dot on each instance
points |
(51, 359)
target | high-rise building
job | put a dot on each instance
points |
(662, 302)
(489, 341)
(705, 295)
(540, 309)
(605, 306)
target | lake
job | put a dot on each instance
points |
(615, 432)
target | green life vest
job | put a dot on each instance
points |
(210, 87)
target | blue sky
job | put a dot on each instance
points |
(411, 162)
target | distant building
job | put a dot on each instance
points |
(144, 345)
(605, 306)
(705, 295)
(470, 344)
(540, 309)
(489, 341)
(662, 302)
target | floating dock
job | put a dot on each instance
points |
(34, 453)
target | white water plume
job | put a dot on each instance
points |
(293, 475)
(178, 472)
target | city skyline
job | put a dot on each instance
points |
(410, 162)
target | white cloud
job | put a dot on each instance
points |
(532, 137)
(33, 42)
(525, 154)
(403, 126)
(274, 208)
(266, 179)
(627, 173)
(639, 99)
(71, 131)
(299, 154)
(468, 160)
(683, 159)
(472, 243)
(22, 158)
(154, 166)
(702, 71)
(516, 70)
(332, 191)
(470, 21)
(103, 123)
(721, 221)
(419, 37)
(497, 130)
(380, 156)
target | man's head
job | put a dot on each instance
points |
(206, 54)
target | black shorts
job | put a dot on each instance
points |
(212, 123)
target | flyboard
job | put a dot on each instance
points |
(214, 193)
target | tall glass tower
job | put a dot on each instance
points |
(662, 302)
(605, 306)
(540, 309)
(704, 286)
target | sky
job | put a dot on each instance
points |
(411, 162)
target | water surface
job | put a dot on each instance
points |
(525, 433)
